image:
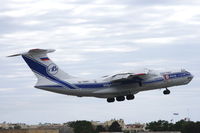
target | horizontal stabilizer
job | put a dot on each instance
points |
(14, 55)
(38, 51)
(34, 51)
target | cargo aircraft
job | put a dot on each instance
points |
(117, 87)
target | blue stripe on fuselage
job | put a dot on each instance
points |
(84, 86)
(101, 85)
(179, 74)
(171, 76)
(41, 69)
(153, 81)
(94, 85)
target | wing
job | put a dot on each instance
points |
(126, 78)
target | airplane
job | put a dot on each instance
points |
(117, 87)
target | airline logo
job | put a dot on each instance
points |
(52, 69)
(44, 58)
(166, 76)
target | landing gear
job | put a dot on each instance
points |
(120, 98)
(130, 97)
(110, 100)
(166, 92)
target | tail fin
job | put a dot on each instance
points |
(45, 70)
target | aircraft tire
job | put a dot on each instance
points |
(130, 97)
(120, 98)
(166, 92)
(110, 100)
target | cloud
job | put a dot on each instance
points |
(94, 38)
(16, 75)
(111, 49)
(32, 22)
(61, 57)
(184, 14)
(156, 41)
(7, 89)
(33, 8)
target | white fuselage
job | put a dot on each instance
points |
(103, 88)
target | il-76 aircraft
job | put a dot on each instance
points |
(117, 87)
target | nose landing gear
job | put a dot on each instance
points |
(166, 92)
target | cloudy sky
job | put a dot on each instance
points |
(93, 38)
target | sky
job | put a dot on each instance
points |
(93, 38)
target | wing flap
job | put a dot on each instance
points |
(126, 78)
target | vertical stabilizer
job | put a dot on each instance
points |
(44, 68)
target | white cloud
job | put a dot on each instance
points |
(156, 41)
(7, 89)
(32, 22)
(111, 49)
(33, 8)
(112, 35)
(68, 58)
(144, 63)
(16, 75)
(22, 35)
(162, 64)
(184, 14)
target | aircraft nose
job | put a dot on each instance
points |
(190, 77)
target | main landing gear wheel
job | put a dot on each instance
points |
(166, 92)
(110, 100)
(120, 98)
(130, 97)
